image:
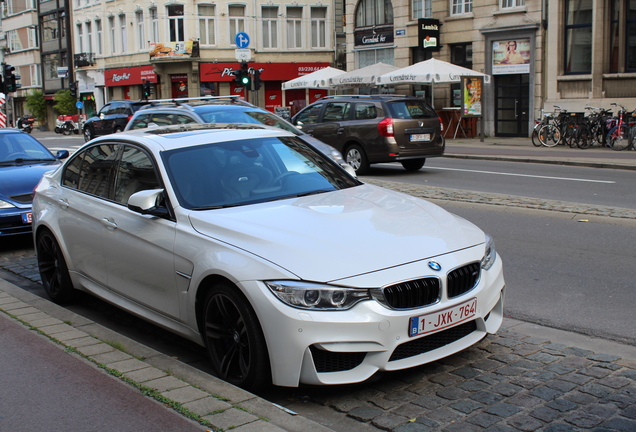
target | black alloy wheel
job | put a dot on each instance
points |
(53, 270)
(234, 339)
(88, 135)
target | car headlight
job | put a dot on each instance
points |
(490, 255)
(314, 296)
(6, 205)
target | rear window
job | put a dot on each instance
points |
(411, 109)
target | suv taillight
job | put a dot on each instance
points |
(441, 124)
(385, 127)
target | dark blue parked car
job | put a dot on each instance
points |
(23, 162)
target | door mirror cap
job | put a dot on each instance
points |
(147, 202)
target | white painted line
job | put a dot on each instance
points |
(523, 175)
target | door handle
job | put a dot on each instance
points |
(109, 223)
(340, 131)
(64, 203)
(309, 132)
(516, 104)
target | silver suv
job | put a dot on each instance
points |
(370, 129)
(216, 109)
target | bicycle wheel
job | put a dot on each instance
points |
(549, 135)
(535, 137)
(584, 137)
(618, 137)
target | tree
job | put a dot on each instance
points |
(36, 103)
(64, 103)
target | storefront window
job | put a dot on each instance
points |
(578, 36)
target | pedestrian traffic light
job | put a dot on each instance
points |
(256, 80)
(72, 86)
(146, 90)
(237, 76)
(9, 78)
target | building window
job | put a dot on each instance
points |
(50, 28)
(578, 36)
(175, 23)
(141, 30)
(98, 29)
(89, 37)
(51, 62)
(294, 27)
(270, 27)
(459, 7)
(422, 9)
(122, 33)
(505, 4)
(374, 12)
(34, 40)
(80, 38)
(622, 52)
(206, 25)
(111, 31)
(318, 27)
(237, 21)
(34, 73)
(369, 57)
(154, 25)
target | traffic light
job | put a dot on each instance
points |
(256, 80)
(237, 76)
(246, 78)
(72, 86)
(9, 77)
(146, 90)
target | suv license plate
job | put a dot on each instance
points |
(420, 137)
(27, 218)
(423, 324)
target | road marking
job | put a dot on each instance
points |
(523, 175)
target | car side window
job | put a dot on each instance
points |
(105, 109)
(117, 108)
(135, 172)
(183, 119)
(92, 170)
(160, 119)
(336, 111)
(310, 115)
(365, 111)
(140, 122)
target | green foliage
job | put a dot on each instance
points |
(36, 104)
(64, 103)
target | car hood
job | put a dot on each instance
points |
(22, 179)
(340, 234)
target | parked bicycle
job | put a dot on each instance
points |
(592, 129)
(619, 137)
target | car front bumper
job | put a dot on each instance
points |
(342, 347)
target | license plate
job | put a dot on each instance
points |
(420, 137)
(27, 218)
(433, 322)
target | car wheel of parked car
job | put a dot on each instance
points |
(118, 129)
(413, 164)
(53, 270)
(356, 157)
(234, 338)
(88, 135)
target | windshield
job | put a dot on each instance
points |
(249, 171)
(17, 146)
(257, 117)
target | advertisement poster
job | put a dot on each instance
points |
(511, 56)
(472, 91)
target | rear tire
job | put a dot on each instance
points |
(618, 138)
(88, 135)
(356, 157)
(535, 137)
(413, 164)
(53, 270)
(549, 135)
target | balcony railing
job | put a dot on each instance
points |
(84, 59)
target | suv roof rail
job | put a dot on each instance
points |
(199, 98)
(185, 102)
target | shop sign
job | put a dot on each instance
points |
(428, 33)
(374, 37)
(219, 72)
(129, 76)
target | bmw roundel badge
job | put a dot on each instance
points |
(434, 265)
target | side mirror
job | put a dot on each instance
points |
(102, 116)
(61, 154)
(147, 202)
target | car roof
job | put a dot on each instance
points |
(193, 134)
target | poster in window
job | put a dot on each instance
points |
(472, 91)
(511, 56)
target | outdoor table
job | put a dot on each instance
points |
(454, 119)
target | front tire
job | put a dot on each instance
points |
(618, 138)
(357, 158)
(53, 270)
(234, 338)
(413, 164)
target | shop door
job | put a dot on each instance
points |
(512, 104)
